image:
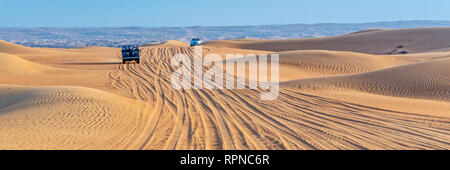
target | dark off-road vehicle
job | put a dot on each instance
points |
(130, 53)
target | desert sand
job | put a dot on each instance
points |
(373, 89)
(378, 41)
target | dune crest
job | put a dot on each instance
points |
(169, 43)
(15, 49)
(425, 80)
(11, 65)
(368, 30)
(325, 63)
(11, 47)
(372, 42)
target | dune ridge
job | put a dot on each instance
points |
(325, 63)
(372, 42)
(11, 65)
(426, 80)
(368, 30)
(11, 48)
(170, 43)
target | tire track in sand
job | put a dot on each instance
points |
(237, 119)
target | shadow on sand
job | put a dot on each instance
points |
(104, 63)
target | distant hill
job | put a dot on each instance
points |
(115, 36)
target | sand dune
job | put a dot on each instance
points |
(315, 63)
(368, 30)
(19, 50)
(11, 65)
(80, 58)
(237, 119)
(85, 67)
(318, 63)
(63, 118)
(170, 43)
(7, 47)
(426, 80)
(86, 99)
(371, 42)
(399, 104)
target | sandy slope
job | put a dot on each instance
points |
(372, 42)
(426, 80)
(11, 65)
(302, 64)
(314, 63)
(392, 103)
(237, 119)
(85, 99)
(102, 58)
(85, 67)
(10, 48)
(64, 118)
(170, 43)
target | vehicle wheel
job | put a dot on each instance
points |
(123, 61)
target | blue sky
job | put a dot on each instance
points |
(154, 13)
